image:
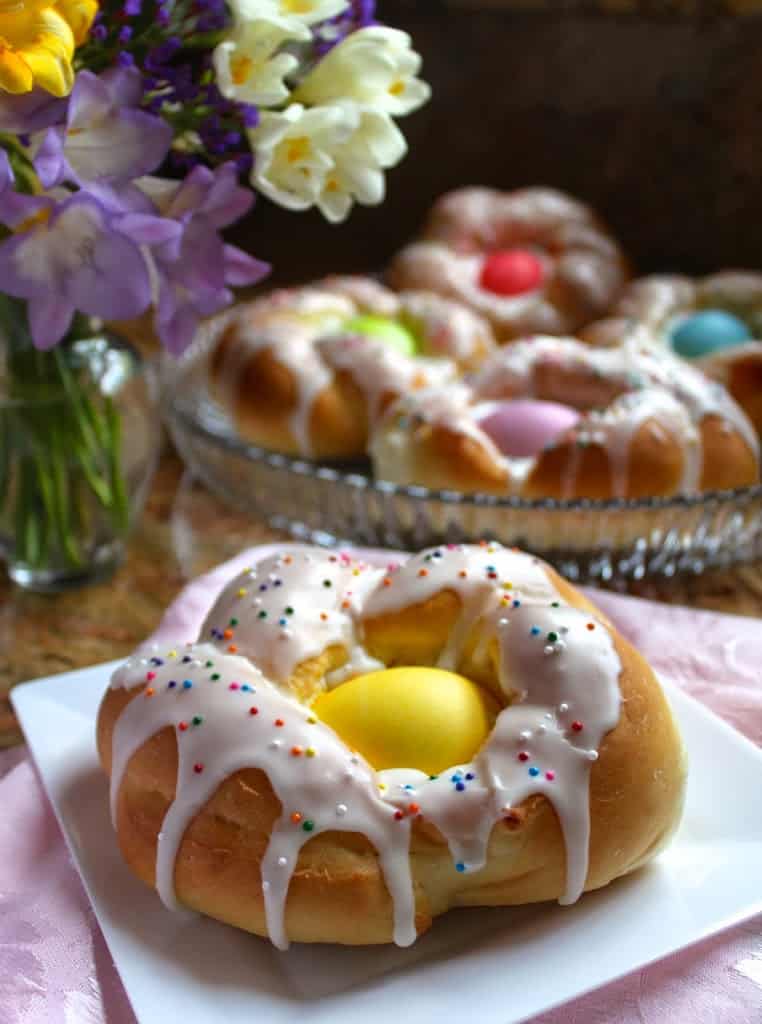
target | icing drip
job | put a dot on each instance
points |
(571, 670)
(556, 665)
(614, 428)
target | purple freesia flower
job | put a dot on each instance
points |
(30, 112)
(213, 195)
(196, 270)
(197, 283)
(106, 137)
(15, 207)
(7, 180)
(73, 258)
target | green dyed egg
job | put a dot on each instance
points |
(389, 331)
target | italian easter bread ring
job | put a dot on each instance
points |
(555, 418)
(348, 751)
(307, 371)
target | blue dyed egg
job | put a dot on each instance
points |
(706, 332)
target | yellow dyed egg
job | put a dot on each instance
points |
(422, 718)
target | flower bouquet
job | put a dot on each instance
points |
(131, 134)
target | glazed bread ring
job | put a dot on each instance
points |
(307, 371)
(715, 322)
(534, 261)
(555, 418)
(347, 752)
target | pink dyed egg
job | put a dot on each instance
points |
(524, 426)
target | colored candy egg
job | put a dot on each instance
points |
(422, 718)
(524, 426)
(511, 272)
(705, 332)
(389, 331)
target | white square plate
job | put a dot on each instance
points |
(499, 966)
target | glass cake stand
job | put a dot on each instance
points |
(589, 541)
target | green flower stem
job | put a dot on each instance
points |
(61, 474)
(4, 452)
(22, 167)
(121, 509)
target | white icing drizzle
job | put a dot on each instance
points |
(556, 664)
(618, 389)
(446, 328)
(228, 738)
(614, 428)
(304, 330)
(380, 371)
(291, 607)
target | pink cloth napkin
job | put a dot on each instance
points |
(55, 967)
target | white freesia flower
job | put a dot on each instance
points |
(373, 66)
(375, 143)
(326, 156)
(291, 150)
(286, 13)
(249, 69)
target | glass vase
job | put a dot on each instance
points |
(79, 438)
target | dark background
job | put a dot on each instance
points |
(654, 116)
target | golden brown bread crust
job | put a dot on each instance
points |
(337, 892)
(445, 460)
(741, 373)
(266, 397)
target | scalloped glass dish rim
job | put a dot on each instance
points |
(305, 468)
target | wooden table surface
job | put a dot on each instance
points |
(185, 531)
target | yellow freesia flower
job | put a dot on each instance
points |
(79, 14)
(37, 41)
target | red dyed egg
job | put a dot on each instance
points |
(511, 272)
